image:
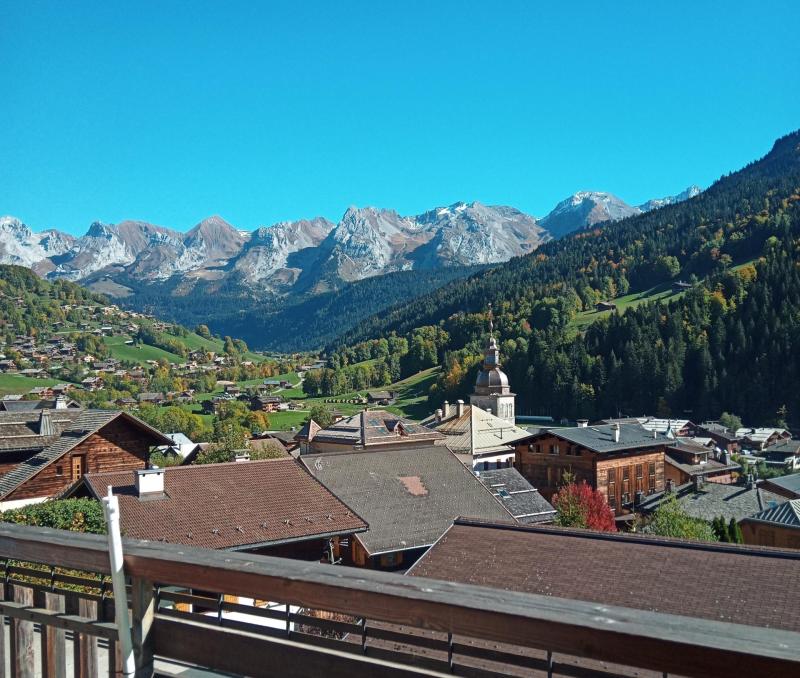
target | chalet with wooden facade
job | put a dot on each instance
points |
(272, 507)
(624, 462)
(91, 441)
(776, 526)
(409, 497)
(685, 459)
(724, 439)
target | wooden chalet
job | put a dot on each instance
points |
(68, 446)
(685, 459)
(624, 462)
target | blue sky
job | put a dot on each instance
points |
(173, 111)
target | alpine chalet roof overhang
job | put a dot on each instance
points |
(234, 505)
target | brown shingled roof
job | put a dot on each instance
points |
(724, 582)
(230, 506)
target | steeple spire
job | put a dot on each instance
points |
(491, 323)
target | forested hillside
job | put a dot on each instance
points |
(726, 344)
(264, 321)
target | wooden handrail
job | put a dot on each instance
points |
(661, 642)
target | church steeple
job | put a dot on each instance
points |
(492, 390)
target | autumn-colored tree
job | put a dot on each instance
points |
(579, 505)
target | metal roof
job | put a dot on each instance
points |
(785, 515)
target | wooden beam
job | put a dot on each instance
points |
(69, 622)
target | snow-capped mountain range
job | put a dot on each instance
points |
(307, 255)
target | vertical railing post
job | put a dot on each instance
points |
(288, 620)
(364, 635)
(52, 640)
(3, 594)
(87, 644)
(450, 651)
(22, 642)
(143, 610)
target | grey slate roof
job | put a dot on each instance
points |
(87, 423)
(20, 430)
(785, 515)
(729, 501)
(520, 498)
(409, 497)
(600, 438)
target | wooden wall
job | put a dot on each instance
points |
(629, 474)
(118, 446)
(761, 534)
(545, 468)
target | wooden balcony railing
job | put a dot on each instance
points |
(195, 606)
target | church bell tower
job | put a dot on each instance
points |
(492, 391)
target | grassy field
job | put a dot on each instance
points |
(15, 383)
(412, 396)
(138, 354)
(283, 421)
(659, 293)
(194, 341)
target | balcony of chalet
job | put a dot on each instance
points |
(244, 614)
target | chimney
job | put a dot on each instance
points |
(583, 423)
(149, 483)
(697, 482)
(670, 484)
(750, 482)
(459, 408)
(615, 429)
(61, 403)
(655, 434)
(446, 409)
(46, 427)
(438, 415)
(241, 456)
